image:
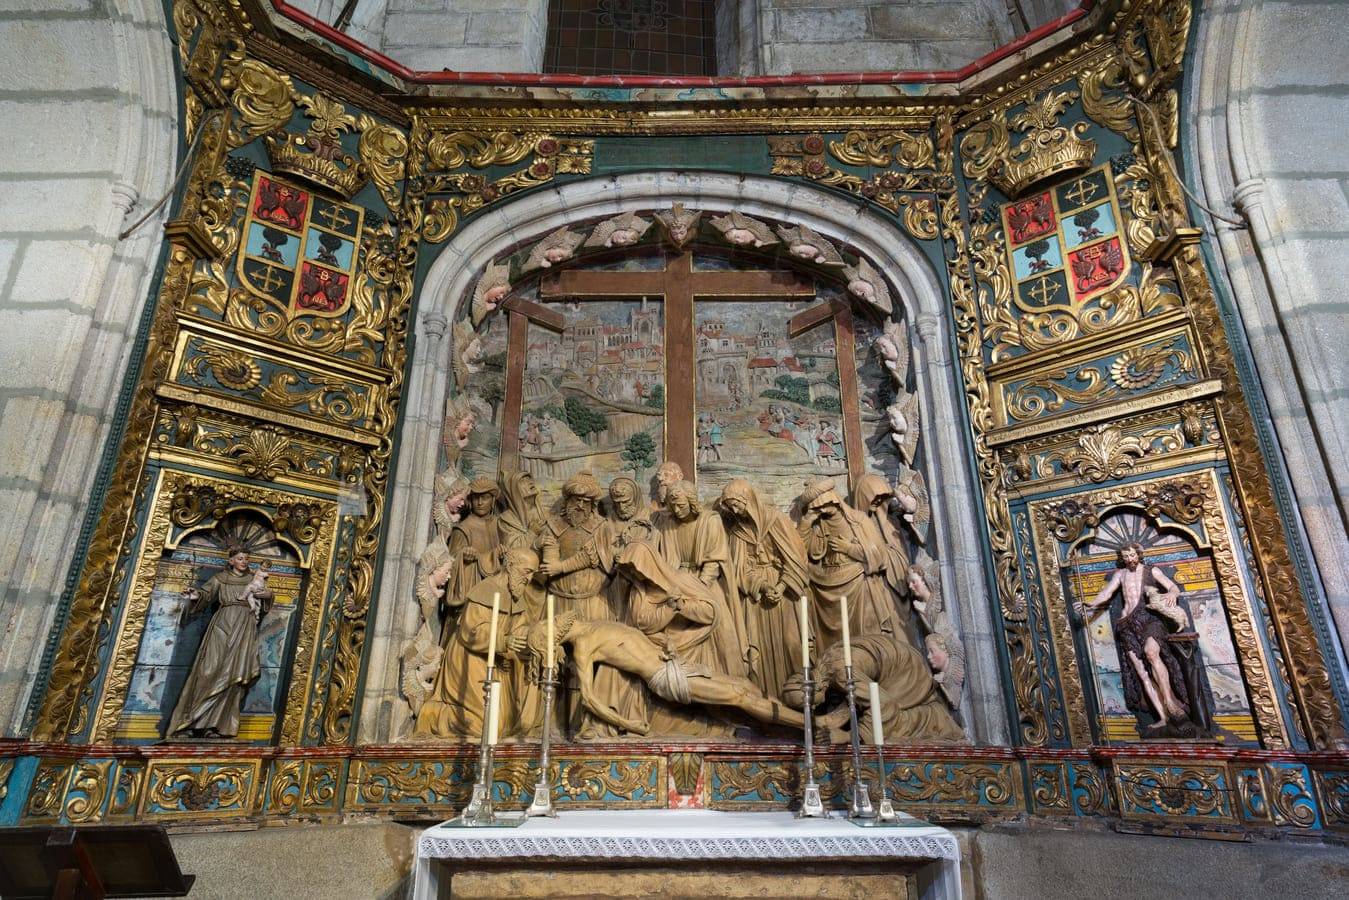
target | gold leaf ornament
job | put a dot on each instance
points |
(263, 97)
(383, 150)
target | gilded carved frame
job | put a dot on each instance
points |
(1058, 521)
(171, 485)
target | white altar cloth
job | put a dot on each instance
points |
(684, 834)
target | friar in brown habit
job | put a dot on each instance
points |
(227, 661)
(768, 567)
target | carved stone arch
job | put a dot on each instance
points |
(915, 287)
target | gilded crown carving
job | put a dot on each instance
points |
(317, 156)
(1047, 150)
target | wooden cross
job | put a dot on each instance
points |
(519, 314)
(678, 284)
(837, 311)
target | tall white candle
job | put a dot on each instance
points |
(847, 638)
(494, 713)
(803, 605)
(492, 635)
(877, 733)
(550, 632)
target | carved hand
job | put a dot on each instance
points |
(517, 641)
(469, 554)
(549, 568)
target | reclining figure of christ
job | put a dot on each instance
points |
(676, 613)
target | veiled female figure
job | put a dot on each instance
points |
(872, 497)
(768, 568)
(848, 558)
(518, 525)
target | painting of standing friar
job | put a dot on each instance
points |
(769, 404)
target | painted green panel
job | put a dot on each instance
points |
(720, 152)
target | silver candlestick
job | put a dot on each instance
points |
(860, 807)
(886, 812)
(479, 812)
(542, 804)
(811, 805)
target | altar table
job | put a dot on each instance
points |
(923, 860)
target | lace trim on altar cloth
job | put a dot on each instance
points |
(889, 845)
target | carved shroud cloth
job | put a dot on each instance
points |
(766, 552)
(227, 661)
(687, 634)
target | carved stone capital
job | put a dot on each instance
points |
(434, 324)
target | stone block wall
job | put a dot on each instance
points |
(754, 37)
(1267, 149)
(854, 35)
(467, 35)
(89, 112)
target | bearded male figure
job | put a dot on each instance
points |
(694, 540)
(454, 708)
(1151, 669)
(768, 568)
(569, 546)
(848, 558)
(667, 474)
(227, 661)
(474, 541)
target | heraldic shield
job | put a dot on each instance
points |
(299, 250)
(1065, 243)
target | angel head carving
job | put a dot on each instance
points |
(620, 231)
(925, 584)
(680, 224)
(742, 231)
(490, 290)
(893, 347)
(557, 247)
(902, 417)
(867, 285)
(806, 244)
(912, 497)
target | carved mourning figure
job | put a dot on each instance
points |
(454, 707)
(768, 569)
(693, 539)
(569, 547)
(912, 707)
(1153, 663)
(848, 557)
(474, 541)
(519, 523)
(667, 473)
(874, 498)
(227, 661)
